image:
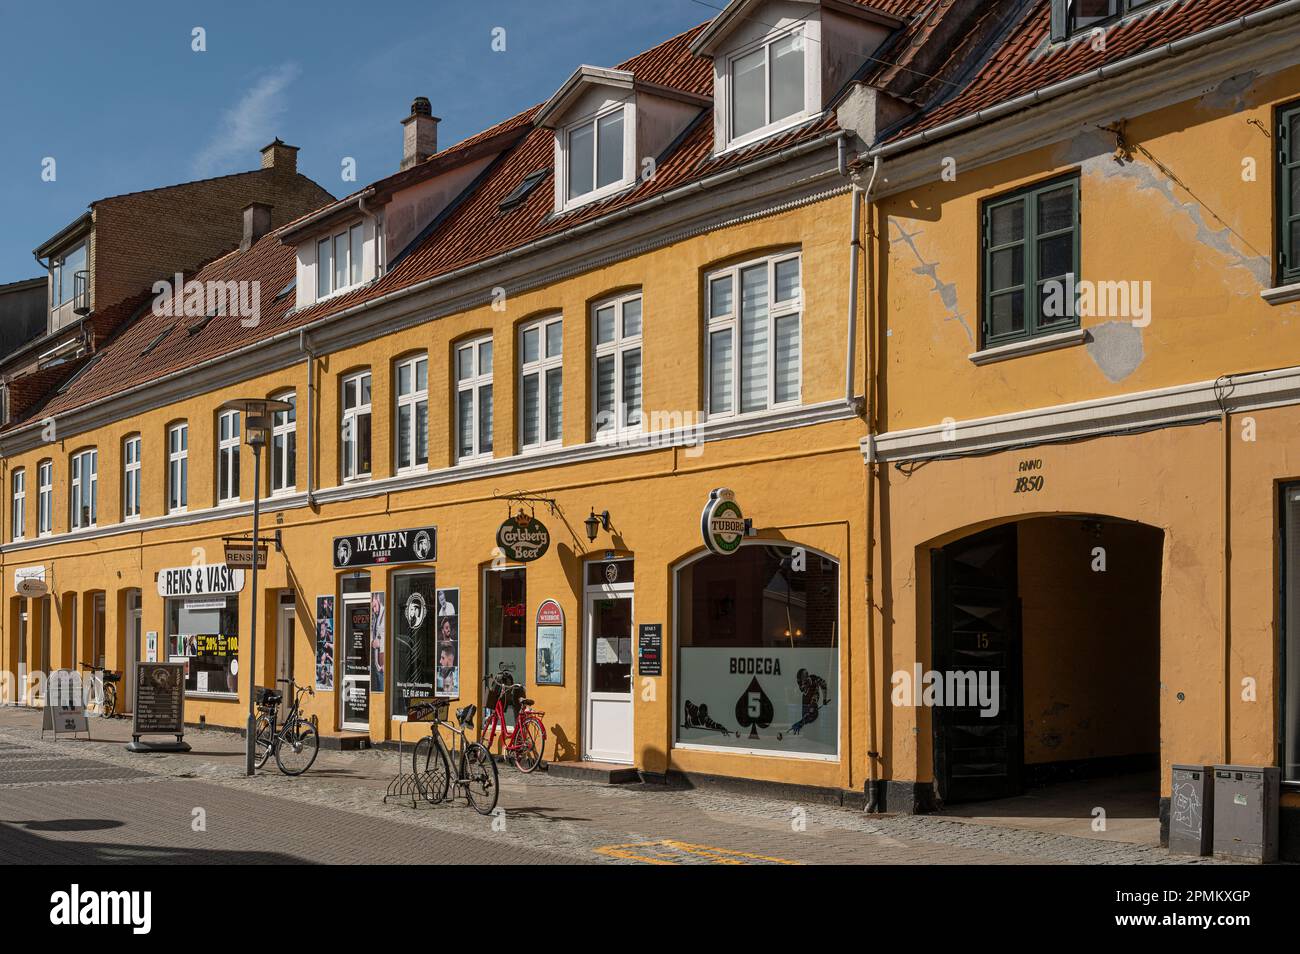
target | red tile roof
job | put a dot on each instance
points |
(1026, 60)
(477, 229)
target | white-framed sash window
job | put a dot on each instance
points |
(616, 365)
(474, 399)
(45, 498)
(131, 478)
(541, 383)
(18, 520)
(412, 395)
(178, 467)
(355, 426)
(84, 490)
(228, 457)
(284, 446)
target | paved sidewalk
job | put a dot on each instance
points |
(94, 801)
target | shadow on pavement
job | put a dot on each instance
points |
(19, 846)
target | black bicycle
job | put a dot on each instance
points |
(469, 767)
(296, 743)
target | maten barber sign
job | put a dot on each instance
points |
(215, 578)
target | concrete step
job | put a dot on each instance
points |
(599, 773)
(345, 741)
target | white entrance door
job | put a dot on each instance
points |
(126, 698)
(284, 635)
(354, 686)
(607, 676)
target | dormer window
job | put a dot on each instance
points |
(339, 261)
(607, 125)
(767, 87)
(68, 276)
(594, 156)
(1078, 16)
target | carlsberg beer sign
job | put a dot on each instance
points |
(523, 538)
(722, 524)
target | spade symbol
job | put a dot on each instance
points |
(754, 708)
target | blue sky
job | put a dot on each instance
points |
(115, 94)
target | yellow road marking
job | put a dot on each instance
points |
(718, 856)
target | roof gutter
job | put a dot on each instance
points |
(1075, 83)
(721, 178)
(298, 228)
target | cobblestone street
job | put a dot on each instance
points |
(92, 801)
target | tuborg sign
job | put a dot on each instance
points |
(722, 524)
(416, 545)
(523, 538)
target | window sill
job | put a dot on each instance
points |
(218, 696)
(1282, 295)
(767, 132)
(1020, 349)
(587, 198)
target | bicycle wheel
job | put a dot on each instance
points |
(108, 705)
(261, 741)
(480, 774)
(431, 771)
(297, 748)
(529, 742)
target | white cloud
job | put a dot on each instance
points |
(247, 126)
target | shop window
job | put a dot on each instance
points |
(228, 457)
(1031, 258)
(131, 478)
(1288, 184)
(758, 649)
(505, 621)
(178, 468)
(84, 490)
(753, 337)
(45, 498)
(203, 633)
(355, 426)
(616, 365)
(412, 413)
(414, 653)
(284, 446)
(541, 383)
(474, 399)
(18, 520)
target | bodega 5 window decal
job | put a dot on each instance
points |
(758, 651)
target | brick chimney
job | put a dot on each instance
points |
(281, 157)
(257, 222)
(419, 133)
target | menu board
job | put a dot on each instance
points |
(650, 649)
(159, 698)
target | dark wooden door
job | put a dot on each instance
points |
(976, 628)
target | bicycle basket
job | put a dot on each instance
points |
(267, 698)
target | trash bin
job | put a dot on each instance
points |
(1245, 812)
(1191, 810)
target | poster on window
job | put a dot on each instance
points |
(448, 676)
(378, 621)
(550, 644)
(767, 699)
(325, 643)
(413, 649)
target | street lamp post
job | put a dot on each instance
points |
(257, 422)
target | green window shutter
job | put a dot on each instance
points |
(1288, 184)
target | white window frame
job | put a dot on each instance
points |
(178, 467)
(18, 508)
(616, 348)
(541, 367)
(131, 474)
(474, 385)
(629, 167)
(284, 444)
(731, 322)
(412, 401)
(77, 478)
(45, 498)
(228, 452)
(356, 270)
(348, 456)
(772, 126)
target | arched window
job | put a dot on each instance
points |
(758, 651)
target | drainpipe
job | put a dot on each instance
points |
(860, 198)
(1226, 591)
(304, 345)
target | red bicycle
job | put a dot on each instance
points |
(526, 742)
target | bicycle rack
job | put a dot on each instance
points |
(404, 788)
